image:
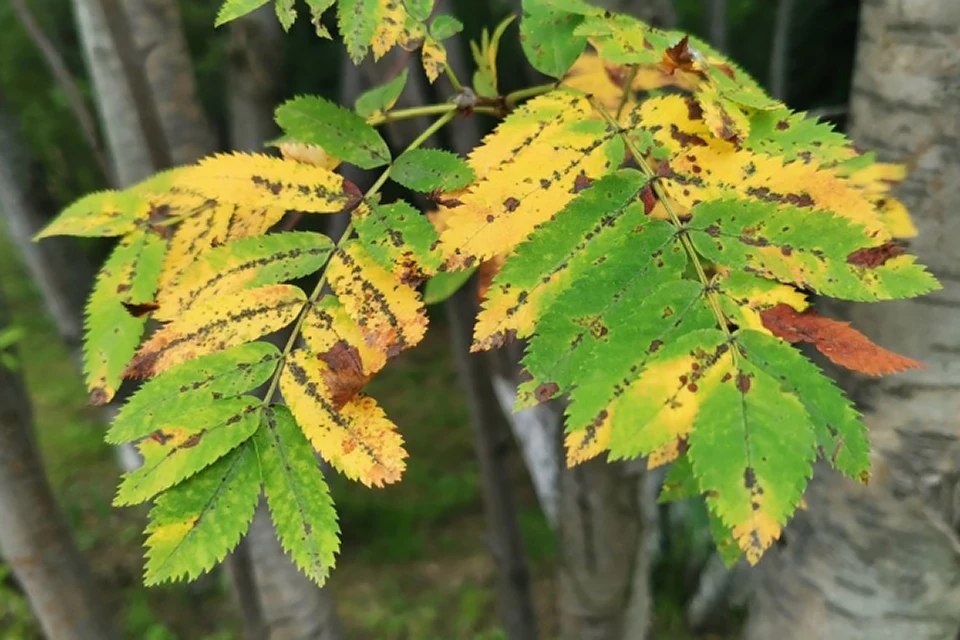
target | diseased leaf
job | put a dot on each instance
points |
(399, 238)
(752, 469)
(390, 312)
(429, 170)
(216, 325)
(193, 385)
(191, 443)
(419, 9)
(257, 181)
(434, 56)
(528, 169)
(112, 333)
(381, 99)
(342, 133)
(300, 504)
(394, 27)
(844, 345)
(196, 523)
(806, 248)
(107, 213)
(245, 264)
(329, 331)
(841, 436)
(352, 434)
(356, 20)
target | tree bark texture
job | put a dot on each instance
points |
(36, 541)
(883, 561)
(126, 141)
(780, 51)
(161, 48)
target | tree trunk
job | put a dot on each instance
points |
(884, 561)
(718, 24)
(162, 51)
(780, 51)
(36, 540)
(119, 116)
(60, 271)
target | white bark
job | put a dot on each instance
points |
(883, 561)
(120, 122)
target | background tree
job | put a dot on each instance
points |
(882, 561)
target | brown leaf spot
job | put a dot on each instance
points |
(649, 198)
(743, 383)
(511, 204)
(783, 125)
(581, 182)
(345, 377)
(99, 397)
(749, 478)
(686, 139)
(140, 310)
(873, 257)
(679, 56)
(545, 391)
(656, 344)
(159, 437)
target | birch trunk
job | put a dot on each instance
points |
(36, 540)
(883, 562)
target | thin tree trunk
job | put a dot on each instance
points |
(883, 561)
(492, 442)
(164, 60)
(36, 540)
(780, 51)
(718, 24)
(60, 271)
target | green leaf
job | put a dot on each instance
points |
(398, 236)
(102, 214)
(444, 27)
(357, 23)
(201, 437)
(192, 385)
(419, 9)
(10, 336)
(196, 523)
(245, 264)
(299, 500)
(233, 9)
(723, 538)
(444, 284)
(317, 9)
(341, 133)
(381, 99)
(548, 40)
(130, 275)
(679, 483)
(752, 449)
(841, 435)
(428, 170)
(801, 246)
(790, 135)
(286, 13)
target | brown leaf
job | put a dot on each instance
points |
(345, 377)
(679, 56)
(844, 346)
(140, 310)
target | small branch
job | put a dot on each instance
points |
(511, 99)
(69, 86)
(452, 77)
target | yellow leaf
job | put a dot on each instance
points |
(218, 324)
(586, 444)
(434, 58)
(389, 312)
(702, 167)
(395, 27)
(255, 181)
(529, 168)
(605, 81)
(354, 435)
(745, 297)
(328, 326)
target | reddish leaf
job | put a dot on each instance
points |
(844, 346)
(679, 56)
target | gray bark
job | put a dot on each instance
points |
(60, 271)
(164, 60)
(780, 51)
(36, 541)
(718, 24)
(883, 561)
(293, 607)
(119, 116)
